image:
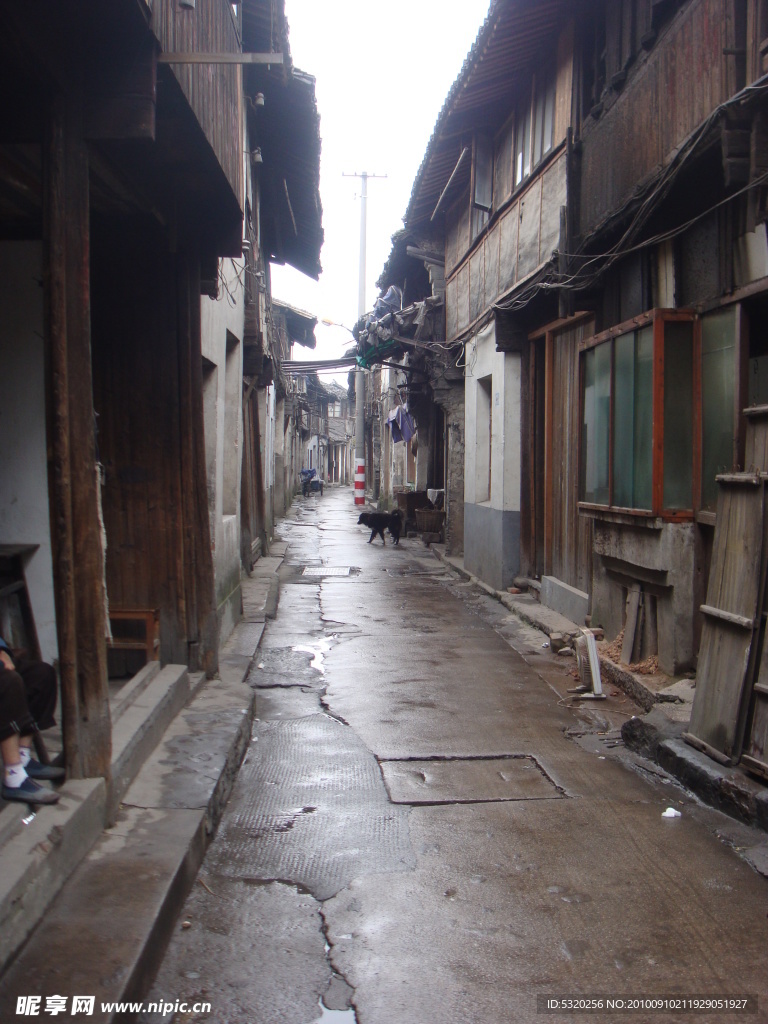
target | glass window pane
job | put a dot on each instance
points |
(595, 425)
(624, 421)
(549, 117)
(527, 142)
(538, 126)
(643, 450)
(483, 171)
(502, 184)
(678, 416)
(478, 221)
(718, 364)
(633, 420)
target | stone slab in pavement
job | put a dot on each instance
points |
(476, 907)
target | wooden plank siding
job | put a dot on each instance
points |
(135, 341)
(684, 78)
(571, 534)
(517, 244)
(213, 91)
(727, 656)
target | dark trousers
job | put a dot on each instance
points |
(27, 698)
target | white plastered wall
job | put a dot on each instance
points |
(502, 370)
(222, 331)
(24, 513)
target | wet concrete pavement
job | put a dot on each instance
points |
(424, 832)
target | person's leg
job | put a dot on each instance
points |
(16, 725)
(41, 690)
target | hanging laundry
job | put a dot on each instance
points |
(400, 423)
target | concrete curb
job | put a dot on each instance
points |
(627, 681)
(729, 790)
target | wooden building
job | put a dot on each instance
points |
(284, 226)
(597, 178)
(122, 184)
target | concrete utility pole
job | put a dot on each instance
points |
(360, 372)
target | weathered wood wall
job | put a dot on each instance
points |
(521, 240)
(214, 91)
(683, 79)
(155, 558)
(571, 534)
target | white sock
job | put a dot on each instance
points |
(24, 756)
(15, 774)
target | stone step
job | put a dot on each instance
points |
(39, 856)
(139, 728)
(124, 697)
(106, 931)
(39, 851)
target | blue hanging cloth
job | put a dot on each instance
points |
(400, 423)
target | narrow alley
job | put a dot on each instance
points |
(422, 832)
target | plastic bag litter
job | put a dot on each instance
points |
(671, 813)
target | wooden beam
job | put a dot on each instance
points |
(220, 58)
(290, 208)
(455, 171)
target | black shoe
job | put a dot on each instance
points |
(30, 793)
(36, 770)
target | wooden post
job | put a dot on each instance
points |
(79, 557)
(60, 486)
(90, 609)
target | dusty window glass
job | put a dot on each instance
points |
(544, 119)
(678, 416)
(502, 177)
(596, 425)
(483, 189)
(523, 142)
(633, 420)
(549, 117)
(483, 172)
(718, 381)
(479, 220)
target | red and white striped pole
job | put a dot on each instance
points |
(359, 482)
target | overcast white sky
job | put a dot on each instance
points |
(383, 72)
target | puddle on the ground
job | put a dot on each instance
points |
(335, 1016)
(318, 652)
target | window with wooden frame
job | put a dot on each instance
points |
(502, 164)
(535, 126)
(639, 436)
(482, 184)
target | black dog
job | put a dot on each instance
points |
(378, 522)
(396, 525)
